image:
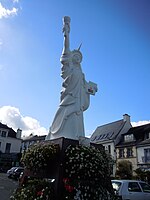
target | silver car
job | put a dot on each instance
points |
(10, 172)
(131, 189)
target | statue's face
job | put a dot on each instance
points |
(76, 59)
(65, 69)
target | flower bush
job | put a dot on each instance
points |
(38, 156)
(87, 174)
(35, 190)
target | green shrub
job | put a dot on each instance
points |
(38, 156)
(34, 189)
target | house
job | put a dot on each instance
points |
(143, 147)
(30, 140)
(10, 141)
(10, 146)
(135, 147)
(109, 135)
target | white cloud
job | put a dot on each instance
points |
(15, 1)
(5, 13)
(88, 133)
(12, 117)
(139, 123)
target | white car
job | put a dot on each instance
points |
(10, 172)
(131, 189)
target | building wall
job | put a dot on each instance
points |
(110, 148)
(15, 144)
(26, 142)
(25, 145)
(132, 159)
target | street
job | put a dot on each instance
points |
(7, 186)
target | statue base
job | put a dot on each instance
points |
(55, 170)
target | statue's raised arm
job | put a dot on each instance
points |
(66, 31)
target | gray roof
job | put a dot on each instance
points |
(34, 138)
(144, 142)
(107, 131)
(11, 132)
(139, 136)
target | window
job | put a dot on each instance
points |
(98, 137)
(103, 136)
(7, 149)
(3, 134)
(147, 136)
(134, 187)
(121, 153)
(109, 149)
(145, 187)
(129, 152)
(147, 155)
(128, 138)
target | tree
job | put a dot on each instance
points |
(143, 175)
(124, 169)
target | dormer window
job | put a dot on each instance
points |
(3, 134)
(129, 138)
(147, 136)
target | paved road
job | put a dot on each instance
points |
(7, 186)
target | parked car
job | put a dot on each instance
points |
(10, 172)
(17, 172)
(131, 189)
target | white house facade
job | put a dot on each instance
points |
(10, 141)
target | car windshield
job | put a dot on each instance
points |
(12, 169)
(19, 170)
(116, 185)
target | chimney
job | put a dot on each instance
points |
(19, 132)
(126, 118)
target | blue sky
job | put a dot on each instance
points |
(115, 37)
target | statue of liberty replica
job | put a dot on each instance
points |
(75, 94)
(65, 166)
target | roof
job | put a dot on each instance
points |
(139, 129)
(139, 134)
(11, 132)
(4, 126)
(144, 142)
(107, 131)
(33, 138)
(126, 144)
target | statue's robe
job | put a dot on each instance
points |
(68, 121)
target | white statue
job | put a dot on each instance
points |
(68, 121)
